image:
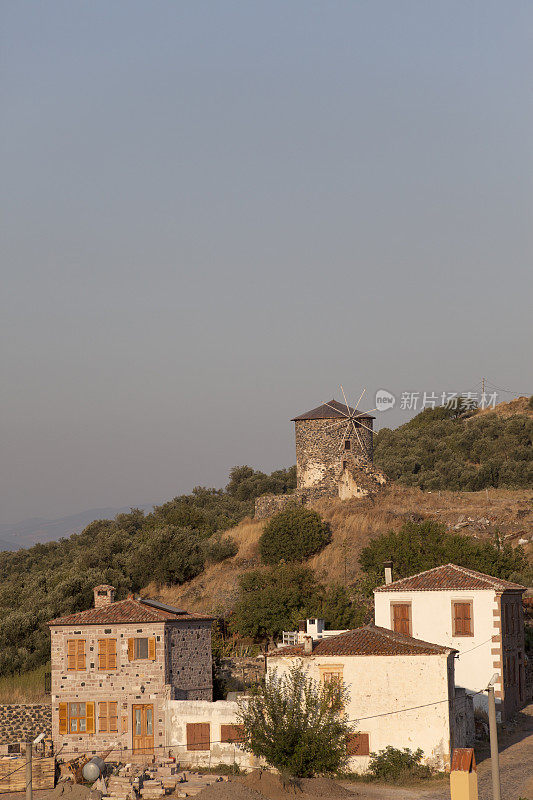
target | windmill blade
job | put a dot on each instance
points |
(357, 404)
(345, 400)
(365, 427)
(335, 422)
(363, 413)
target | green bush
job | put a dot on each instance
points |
(296, 724)
(217, 550)
(394, 765)
(293, 535)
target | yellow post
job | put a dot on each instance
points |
(463, 775)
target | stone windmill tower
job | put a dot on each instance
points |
(331, 440)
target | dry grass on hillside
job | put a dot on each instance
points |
(518, 406)
(353, 524)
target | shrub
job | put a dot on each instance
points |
(217, 550)
(293, 535)
(393, 765)
(296, 724)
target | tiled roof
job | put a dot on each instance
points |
(368, 641)
(449, 576)
(332, 410)
(125, 611)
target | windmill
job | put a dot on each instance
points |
(351, 420)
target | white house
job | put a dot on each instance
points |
(478, 615)
(401, 690)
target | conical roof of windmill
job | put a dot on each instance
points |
(332, 410)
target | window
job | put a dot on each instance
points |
(231, 734)
(347, 444)
(107, 654)
(141, 649)
(198, 736)
(76, 717)
(330, 675)
(107, 717)
(75, 654)
(344, 464)
(462, 618)
(401, 618)
(358, 744)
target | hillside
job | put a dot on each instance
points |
(467, 450)
(353, 524)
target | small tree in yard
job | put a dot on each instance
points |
(296, 724)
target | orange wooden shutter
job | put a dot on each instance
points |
(112, 717)
(102, 654)
(80, 654)
(63, 718)
(89, 716)
(131, 649)
(401, 618)
(71, 654)
(102, 717)
(462, 619)
(151, 648)
(111, 653)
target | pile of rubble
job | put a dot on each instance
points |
(154, 781)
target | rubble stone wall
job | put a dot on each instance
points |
(20, 721)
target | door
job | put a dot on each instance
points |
(143, 728)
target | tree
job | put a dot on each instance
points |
(296, 724)
(293, 535)
(420, 546)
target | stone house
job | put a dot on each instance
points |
(479, 616)
(115, 666)
(334, 458)
(401, 691)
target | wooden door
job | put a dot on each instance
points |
(401, 618)
(143, 728)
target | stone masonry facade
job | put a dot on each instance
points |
(152, 662)
(19, 722)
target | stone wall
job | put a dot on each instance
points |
(190, 673)
(320, 453)
(18, 722)
(269, 504)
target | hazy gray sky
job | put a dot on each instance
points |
(216, 212)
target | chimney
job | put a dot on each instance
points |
(104, 595)
(388, 571)
(308, 645)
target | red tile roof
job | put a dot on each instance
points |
(125, 611)
(368, 641)
(449, 576)
(332, 410)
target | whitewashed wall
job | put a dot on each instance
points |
(432, 621)
(221, 712)
(381, 684)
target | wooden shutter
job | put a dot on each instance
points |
(111, 653)
(462, 619)
(102, 655)
(358, 744)
(112, 716)
(71, 654)
(151, 648)
(131, 649)
(124, 725)
(102, 717)
(80, 654)
(231, 734)
(63, 718)
(401, 618)
(89, 716)
(198, 736)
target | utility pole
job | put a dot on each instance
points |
(494, 755)
(29, 788)
(482, 392)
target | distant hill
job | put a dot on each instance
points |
(31, 531)
(441, 449)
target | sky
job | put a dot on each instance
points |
(216, 213)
